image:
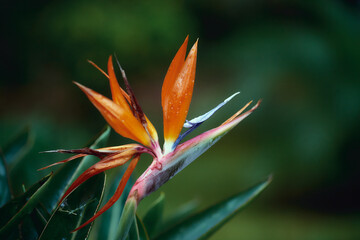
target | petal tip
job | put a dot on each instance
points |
(79, 85)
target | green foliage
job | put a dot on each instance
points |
(206, 222)
(36, 213)
(153, 218)
(4, 184)
(17, 147)
(27, 214)
(106, 226)
(10, 158)
(301, 57)
(143, 234)
(128, 220)
(14, 211)
(200, 225)
(81, 205)
(181, 214)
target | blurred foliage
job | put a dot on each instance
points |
(301, 57)
(39, 212)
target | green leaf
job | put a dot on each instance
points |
(153, 218)
(106, 225)
(4, 183)
(134, 231)
(17, 147)
(64, 176)
(48, 197)
(182, 213)
(12, 207)
(10, 155)
(76, 209)
(142, 229)
(127, 219)
(137, 230)
(14, 211)
(31, 224)
(29, 228)
(205, 223)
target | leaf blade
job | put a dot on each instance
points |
(45, 197)
(79, 206)
(17, 147)
(153, 218)
(11, 156)
(4, 183)
(107, 224)
(205, 223)
(35, 194)
(127, 218)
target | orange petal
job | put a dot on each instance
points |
(115, 88)
(106, 75)
(136, 108)
(98, 68)
(117, 92)
(117, 193)
(173, 71)
(177, 98)
(151, 129)
(236, 114)
(120, 118)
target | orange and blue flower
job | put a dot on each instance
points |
(125, 116)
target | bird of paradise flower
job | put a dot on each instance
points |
(125, 116)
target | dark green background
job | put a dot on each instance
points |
(301, 57)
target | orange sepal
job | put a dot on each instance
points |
(117, 193)
(119, 118)
(108, 162)
(177, 96)
(64, 161)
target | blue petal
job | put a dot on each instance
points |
(194, 123)
(206, 116)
